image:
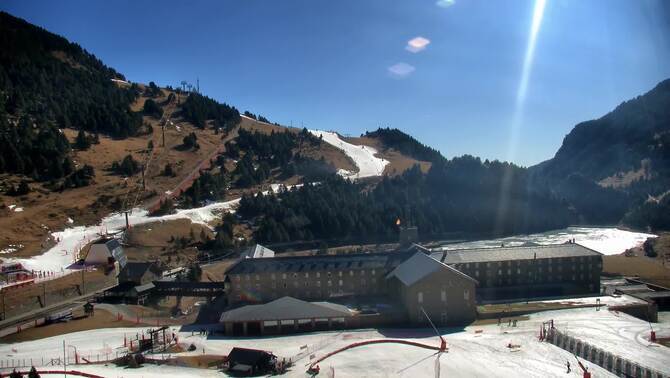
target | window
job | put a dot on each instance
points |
(258, 277)
(238, 278)
(318, 274)
(419, 297)
(362, 272)
(295, 275)
(247, 277)
(285, 285)
(330, 283)
(283, 275)
(306, 274)
(273, 276)
(295, 283)
(306, 283)
(351, 273)
(362, 281)
(518, 270)
(466, 295)
(339, 273)
(341, 283)
(318, 283)
(444, 295)
(373, 272)
(328, 274)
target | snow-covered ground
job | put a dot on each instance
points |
(479, 351)
(363, 156)
(606, 240)
(71, 240)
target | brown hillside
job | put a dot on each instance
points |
(45, 211)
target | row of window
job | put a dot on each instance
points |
(545, 278)
(329, 283)
(518, 271)
(443, 296)
(509, 263)
(284, 276)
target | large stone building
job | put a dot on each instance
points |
(533, 271)
(379, 288)
(398, 287)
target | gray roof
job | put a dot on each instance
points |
(420, 266)
(320, 263)
(286, 308)
(143, 288)
(137, 269)
(460, 256)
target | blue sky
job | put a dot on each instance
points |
(346, 65)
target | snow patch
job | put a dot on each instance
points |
(363, 156)
(71, 240)
(608, 241)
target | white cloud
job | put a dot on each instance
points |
(445, 3)
(401, 69)
(417, 44)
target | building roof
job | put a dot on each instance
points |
(137, 269)
(420, 266)
(285, 308)
(320, 263)
(251, 357)
(258, 251)
(460, 256)
(144, 288)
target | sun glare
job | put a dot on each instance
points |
(538, 13)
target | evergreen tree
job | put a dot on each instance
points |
(82, 141)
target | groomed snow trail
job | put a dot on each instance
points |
(363, 156)
(71, 240)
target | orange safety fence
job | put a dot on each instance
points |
(58, 372)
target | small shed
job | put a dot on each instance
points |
(245, 361)
(104, 251)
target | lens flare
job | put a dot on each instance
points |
(538, 14)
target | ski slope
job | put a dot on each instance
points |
(478, 351)
(71, 240)
(363, 156)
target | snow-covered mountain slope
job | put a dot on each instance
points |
(363, 156)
